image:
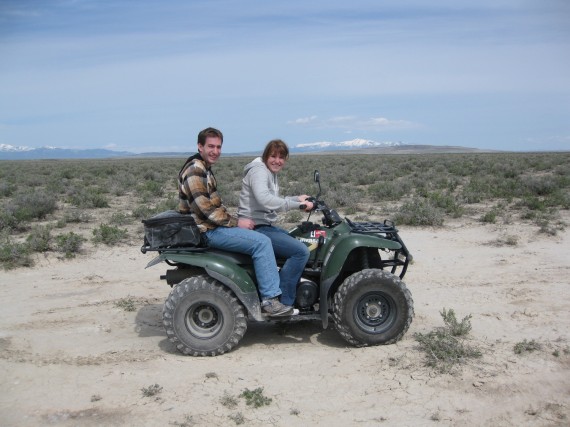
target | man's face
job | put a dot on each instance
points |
(211, 150)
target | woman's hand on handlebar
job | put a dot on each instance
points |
(308, 203)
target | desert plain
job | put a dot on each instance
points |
(70, 355)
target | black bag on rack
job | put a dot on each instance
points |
(171, 229)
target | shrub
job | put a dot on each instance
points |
(13, 255)
(255, 397)
(7, 189)
(419, 212)
(151, 189)
(445, 347)
(8, 221)
(89, 199)
(540, 185)
(109, 234)
(533, 203)
(455, 328)
(237, 418)
(69, 244)
(351, 210)
(228, 401)
(446, 202)
(120, 218)
(31, 205)
(526, 346)
(168, 204)
(490, 217)
(151, 390)
(75, 216)
(39, 239)
(389, 190)
(143, 212)
(293, 217)
(508, 240)
(127, 304)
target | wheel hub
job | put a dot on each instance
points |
(372, 312)
(203, 321)
(204, 316)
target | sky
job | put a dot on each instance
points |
(147, 76)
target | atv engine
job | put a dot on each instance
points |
(307, 294)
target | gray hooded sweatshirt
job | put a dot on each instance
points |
(259, 198)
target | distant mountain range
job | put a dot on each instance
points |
(357, 143)
(9, 152)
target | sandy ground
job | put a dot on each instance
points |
(70, 356)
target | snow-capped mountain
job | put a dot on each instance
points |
(346, 145)
(9, 152)
(12, 149)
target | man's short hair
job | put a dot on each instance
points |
(209, 132)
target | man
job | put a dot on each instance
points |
(199, 196)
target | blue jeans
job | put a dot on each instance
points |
(258, 247)
(295, 252)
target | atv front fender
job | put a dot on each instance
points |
(335, 258)
(223, 270)
(338, 252)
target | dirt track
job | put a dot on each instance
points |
(70, 356)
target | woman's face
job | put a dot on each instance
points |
(275, 162)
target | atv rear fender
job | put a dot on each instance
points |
(225, 270)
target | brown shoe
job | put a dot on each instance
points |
(274, 308)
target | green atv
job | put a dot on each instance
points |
(353, 276)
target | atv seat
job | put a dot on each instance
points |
(239, 258)
(235, 257)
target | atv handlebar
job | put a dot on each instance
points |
(311, 199)
(330, 216)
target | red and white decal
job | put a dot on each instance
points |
(318, 233)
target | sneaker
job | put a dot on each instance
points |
(295, 312)
(274, 308)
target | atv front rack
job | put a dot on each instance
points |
(386, 230)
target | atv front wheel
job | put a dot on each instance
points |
(203, 317)
(372, 307)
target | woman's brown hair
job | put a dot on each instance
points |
(276, 145)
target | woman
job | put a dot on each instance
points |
(259, 203)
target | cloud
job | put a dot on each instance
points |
(354, 123)
(303, 120)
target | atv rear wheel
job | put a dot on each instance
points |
(372, 307)
(203, 317)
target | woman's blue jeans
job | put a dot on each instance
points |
(257, 245)
(295, 252)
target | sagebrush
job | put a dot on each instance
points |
(413, 189)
